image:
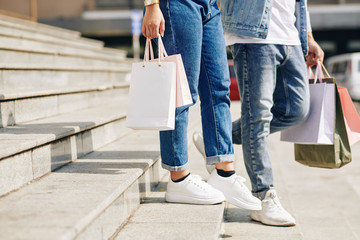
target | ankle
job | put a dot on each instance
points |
(226, 166)
(180, 179)
(176, 175)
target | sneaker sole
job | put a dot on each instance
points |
(242, 204)
(237, 202)
(177, 198)
(256, 218)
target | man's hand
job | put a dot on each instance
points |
(315, 54)
(153, 22)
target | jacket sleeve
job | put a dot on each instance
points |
(308, 23)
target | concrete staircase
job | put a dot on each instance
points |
(69, 168)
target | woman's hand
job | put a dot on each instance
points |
(153, 22)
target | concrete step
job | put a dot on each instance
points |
(25, 28)
(156, 219)
(38, 27)
(30, 35)
(30, 105)
(29, 151)
(29, 59)
(13, 79)
(87, 199)
(16, 42)
(6, 95)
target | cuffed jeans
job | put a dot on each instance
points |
(274, 92)
(193, 29)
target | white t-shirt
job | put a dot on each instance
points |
(282, 28)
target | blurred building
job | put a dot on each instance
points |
(336, 23)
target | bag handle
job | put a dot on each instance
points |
(162, 48)
(149, 48)
(319, 74)
(310, 73)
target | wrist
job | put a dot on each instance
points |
(310, 36)
(150, 2)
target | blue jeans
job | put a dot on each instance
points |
(275, 95)
(193, 29)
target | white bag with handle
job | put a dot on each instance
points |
(183, 94)
(152, 95)
(320, 126)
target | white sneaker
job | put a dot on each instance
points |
(272, 212)
(235, 191)
(199, 144)
(192, 190)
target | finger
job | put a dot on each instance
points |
(162, 27)
(143, 30)
(155, 31)
(150, 32)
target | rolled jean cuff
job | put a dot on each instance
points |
(261, 195)
(220, 158)
(175, 168)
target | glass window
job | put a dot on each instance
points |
(129, 4)
(339, 67)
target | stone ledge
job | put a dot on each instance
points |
(87, 199)
(36, 92)
(23, 109)
(14, 22)
(40, 132)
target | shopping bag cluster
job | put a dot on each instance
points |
(157, 87)
(333, 125)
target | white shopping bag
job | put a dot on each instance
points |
(320, 126)
(152, 94)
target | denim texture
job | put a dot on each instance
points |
(194, 30)
(275, 95)
(252, 18)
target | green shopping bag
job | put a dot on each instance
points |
(328, 156)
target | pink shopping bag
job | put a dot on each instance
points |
(183, 94)
(352, 119)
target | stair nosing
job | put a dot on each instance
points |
(86, 219)
(54, 32)
(31, 93)
(121, 69)
(51, 137)
(59, 53)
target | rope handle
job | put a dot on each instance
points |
(319, 72)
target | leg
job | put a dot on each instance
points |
(291, 96)
(255, 66)
(183, 187)
(287, 105)
(214, 85)
(187, 42)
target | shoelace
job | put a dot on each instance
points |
(197, 181)
(275, 200)
(241, 180)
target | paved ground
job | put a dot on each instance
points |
(325, 202)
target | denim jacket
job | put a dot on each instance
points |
(252, 17)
